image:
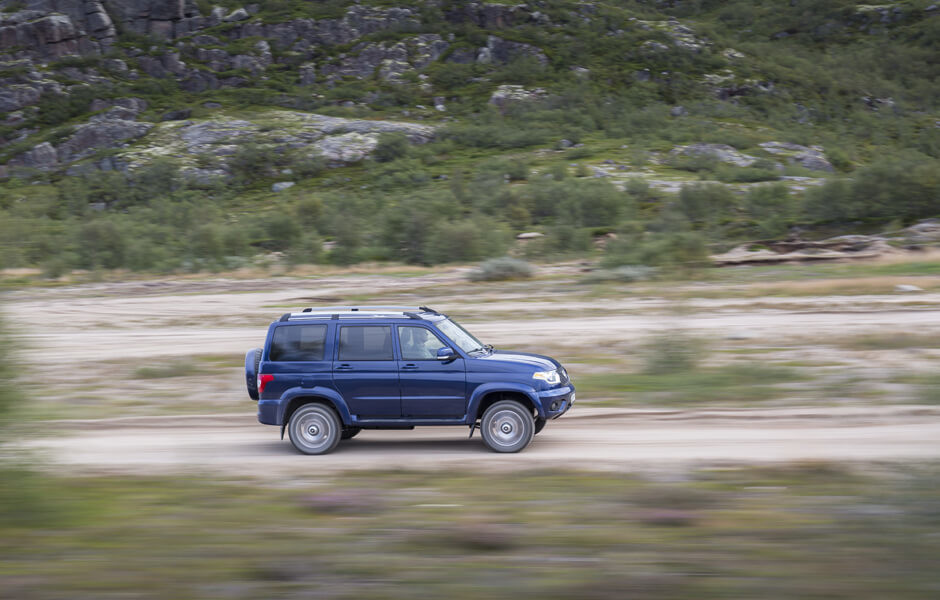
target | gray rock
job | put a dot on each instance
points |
(347, 147)
(809, 158)
(506, 95)
(176, 115)
(904, 287)
(720, 152)
(42, 156)
(308, 74)
(678, 111)
(564, 144)
(498, 50)
(14, 97)
(280, 186)
(100, 133)
(239, 14)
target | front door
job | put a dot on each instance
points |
(365, 371)
(430, 389)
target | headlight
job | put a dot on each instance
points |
(550, 377)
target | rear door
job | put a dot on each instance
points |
(429, 388)
(298, 357)
(365, 371)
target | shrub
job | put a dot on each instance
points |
(624, 274)
(674, 250)
(771, 208)
(705, 203)
(672, 352)
(391, 146)
(251, 162)
(501, 269)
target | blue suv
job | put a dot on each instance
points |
(326, 374)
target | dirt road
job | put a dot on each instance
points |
(69, 335)
(602, 439)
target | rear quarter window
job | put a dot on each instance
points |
(298, 343)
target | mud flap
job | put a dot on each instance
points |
(283, 427)
(472, 427)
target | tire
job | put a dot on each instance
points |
(507, 426)
(252, 364)
(539, 425)
(315, 429)
(350, 432)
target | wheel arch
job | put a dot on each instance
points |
(487, 395)
(291, 402)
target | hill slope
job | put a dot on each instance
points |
(167, 134)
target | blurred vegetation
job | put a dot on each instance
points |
(792, 531)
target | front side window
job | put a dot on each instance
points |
(298, 343)
(370, 342)
(418, 343)
(459, 335)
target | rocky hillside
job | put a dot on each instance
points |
(480, 105)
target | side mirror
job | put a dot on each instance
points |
(446, 354)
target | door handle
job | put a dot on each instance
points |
(343, 368)
(410, 367)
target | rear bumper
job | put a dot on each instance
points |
(268, 411)
(557, 401)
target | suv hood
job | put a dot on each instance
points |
(536, 361)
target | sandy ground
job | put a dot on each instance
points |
(596, 439)
(73, 327)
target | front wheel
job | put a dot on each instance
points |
(315, 429)
(507, 426)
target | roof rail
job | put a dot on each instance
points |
(348, 314)
(332, 309)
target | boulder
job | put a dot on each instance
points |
(506, 95)
(239, 14)
(14, 97)
(498, 50)
(42, 156)
(720, 152)
(308, 74)
(176, 115)
(812, 158)
(280, 186)
(347, 148)
(100, 132)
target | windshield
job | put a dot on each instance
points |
(459, 336)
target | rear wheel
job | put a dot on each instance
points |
(315, 429)
(507, 426)
(350, 432)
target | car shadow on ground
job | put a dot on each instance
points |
(363, 445)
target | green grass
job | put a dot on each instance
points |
(738, 383)
(884, 341)
(792, 531)
(174, 368)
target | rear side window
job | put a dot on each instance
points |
(298, 343)
(365, 343)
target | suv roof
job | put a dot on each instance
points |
(362, 312)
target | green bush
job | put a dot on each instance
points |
(905, 186)
(502, 269)
(771, 208)
(391, 146)
(672, 353)
(705, 203)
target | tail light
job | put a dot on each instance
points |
(263, 381)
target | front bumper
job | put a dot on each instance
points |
(557, 401)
